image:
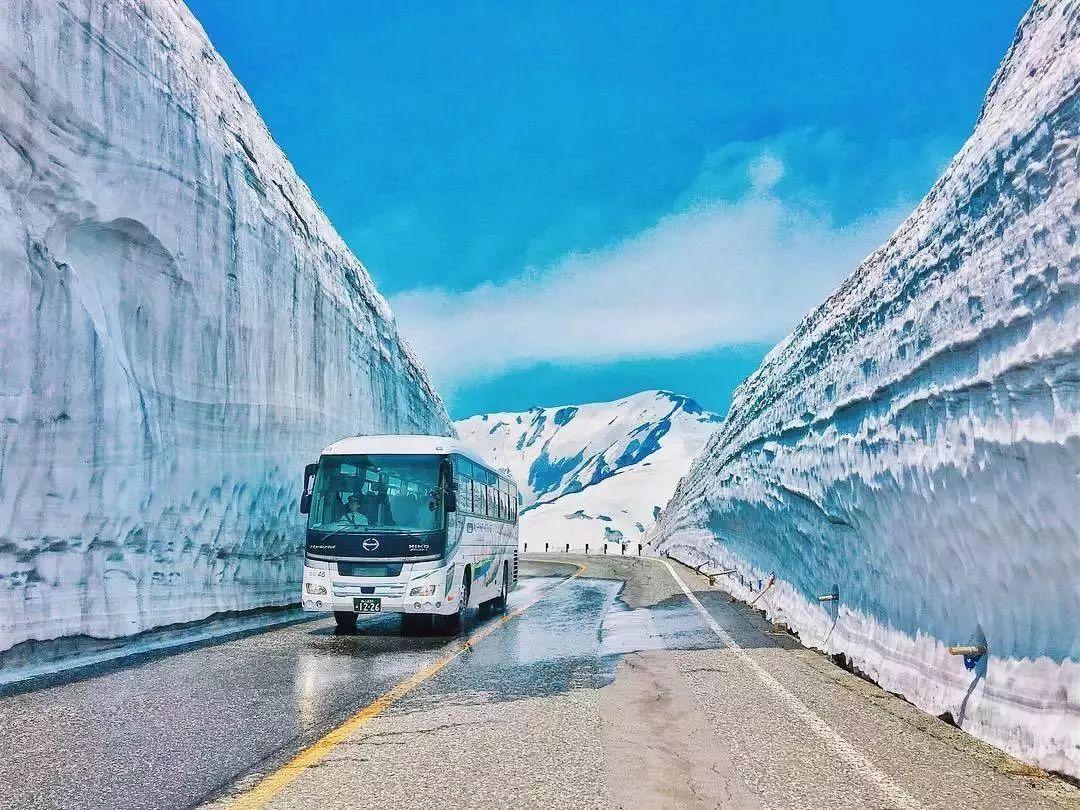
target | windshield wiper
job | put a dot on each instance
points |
(336, 532)
(379, 529)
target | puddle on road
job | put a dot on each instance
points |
(573, 639)
(671, 626)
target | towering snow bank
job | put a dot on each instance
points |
(915, 442)
(596, 473)
(180, 329)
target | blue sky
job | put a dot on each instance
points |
(571, 201)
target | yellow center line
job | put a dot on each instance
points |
(272, 784)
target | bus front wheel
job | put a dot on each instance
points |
(457, 620)
(345, 620)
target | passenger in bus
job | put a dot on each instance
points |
(375, 504)
(406, 508)
(369, 505)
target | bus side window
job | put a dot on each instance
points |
(463, 487)
(463, 483)
(479, 498)
(463, 469)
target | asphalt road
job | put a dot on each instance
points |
(613, 688)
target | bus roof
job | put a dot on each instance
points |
(390, 445)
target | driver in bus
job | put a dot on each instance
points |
(354, 516)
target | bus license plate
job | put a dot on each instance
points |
(367, 604)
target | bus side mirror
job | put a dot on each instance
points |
(446, 474)
(309, 485)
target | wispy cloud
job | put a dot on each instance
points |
(765, 173)
(716, 274)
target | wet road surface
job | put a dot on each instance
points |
(611, 689)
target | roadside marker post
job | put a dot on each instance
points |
(973, 653)
(764, 590)
(967, 649)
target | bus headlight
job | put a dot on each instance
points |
(315, 588)
(423, 590)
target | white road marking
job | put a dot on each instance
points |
(837, 744)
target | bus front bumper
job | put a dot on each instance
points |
(324, 591)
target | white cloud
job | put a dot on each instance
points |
(724, 273)
(765, 172)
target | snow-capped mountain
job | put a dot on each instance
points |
(914, 444)
(181, 329)
(593, 473)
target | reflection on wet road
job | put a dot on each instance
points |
(609, 674)
(172, 730)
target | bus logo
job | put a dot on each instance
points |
(370, 544)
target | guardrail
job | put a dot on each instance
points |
(594, 549)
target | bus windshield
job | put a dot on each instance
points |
(365, 493)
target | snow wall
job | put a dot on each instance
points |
(181, 329)
(914, 444)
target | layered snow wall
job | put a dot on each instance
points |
(914, 445)
(181, 329)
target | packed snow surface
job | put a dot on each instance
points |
(914, 444)
(597, 473)
(180, 330)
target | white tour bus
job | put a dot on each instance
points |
(416, 525)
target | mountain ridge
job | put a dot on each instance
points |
(593, 472)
